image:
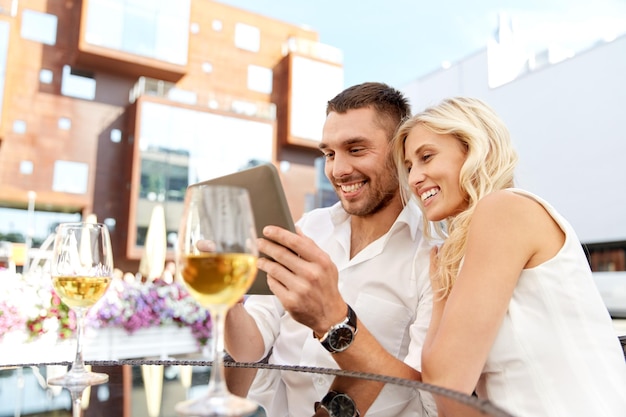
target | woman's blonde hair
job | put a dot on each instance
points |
(489, 166)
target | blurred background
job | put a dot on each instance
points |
(111, 108)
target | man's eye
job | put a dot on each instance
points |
(328, 155)
(356, 150)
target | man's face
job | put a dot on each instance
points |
(356, 149)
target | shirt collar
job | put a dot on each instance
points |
(410, 216)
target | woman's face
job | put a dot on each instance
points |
(434, 163)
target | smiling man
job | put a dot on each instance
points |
(351, 287)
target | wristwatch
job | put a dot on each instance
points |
(340, 336)
(338, 404)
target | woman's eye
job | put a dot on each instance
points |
(426, 157)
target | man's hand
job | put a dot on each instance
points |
(303, 277)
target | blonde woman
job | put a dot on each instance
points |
(516, 315)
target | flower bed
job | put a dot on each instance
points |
(134, 306)
(29, 306)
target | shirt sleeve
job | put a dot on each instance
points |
(419, 327)
(266, 310)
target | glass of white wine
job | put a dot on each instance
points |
(217, 257)
(81, 270)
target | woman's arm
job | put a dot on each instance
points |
(507, 233)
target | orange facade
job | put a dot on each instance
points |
(72, 129)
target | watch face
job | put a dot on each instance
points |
(342, 406)
(340, 338)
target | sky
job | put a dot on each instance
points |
(398, 41)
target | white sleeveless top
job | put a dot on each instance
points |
(556, 354)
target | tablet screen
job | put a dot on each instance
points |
(268, 201)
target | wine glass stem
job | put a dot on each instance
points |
(79, 363)
(217, 381)
(76, 404)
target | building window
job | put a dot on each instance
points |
(19, 127)
(260, 79)
(608, 259)
(154, 29)
(110, 222)
(26, 167)
(39, 27)
(194, 28)
(243, 107)
(70, 177)
(64, 123)
(177, 148)
(78, 84)
(207, 67)
(247, 37)
(217, 25)
(182, 96)
(46, 76)
(116, 135)
(312, 82)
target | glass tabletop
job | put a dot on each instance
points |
(152, 387)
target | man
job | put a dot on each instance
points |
(359, 265)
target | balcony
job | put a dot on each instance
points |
(215, 101)
(134, 40)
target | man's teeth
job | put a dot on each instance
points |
(351, 188)
(429, 193)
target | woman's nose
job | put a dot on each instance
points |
(416, 177)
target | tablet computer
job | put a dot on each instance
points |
(268, 201)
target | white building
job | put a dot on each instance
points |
(567, 120)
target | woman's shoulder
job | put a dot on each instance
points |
(509, 209)
(508, 199)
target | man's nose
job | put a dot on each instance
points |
(341, 166)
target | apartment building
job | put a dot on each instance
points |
(111, 107)
(565, 114)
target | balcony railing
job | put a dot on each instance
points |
(314, 50)
(222, 102)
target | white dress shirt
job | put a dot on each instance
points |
(388, 286)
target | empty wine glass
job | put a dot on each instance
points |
(81, 270)
(217, 257)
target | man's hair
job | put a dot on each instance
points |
(390, 104)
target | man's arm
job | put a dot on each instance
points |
(365, 354)
(242, 339)
(305, 280)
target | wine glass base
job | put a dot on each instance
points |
(212, 406)
(79, 378)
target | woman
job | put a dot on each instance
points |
(517, 317)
